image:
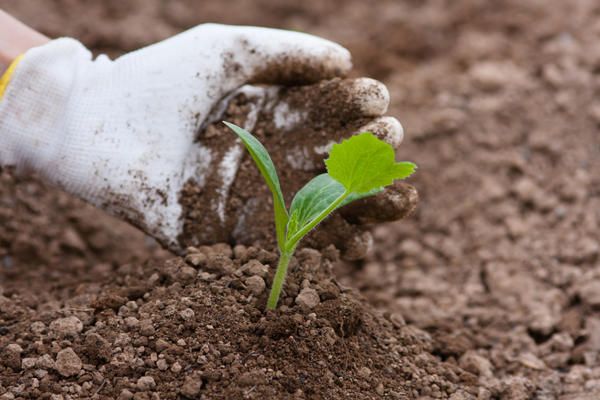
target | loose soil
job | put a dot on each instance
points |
(496, 275)
(171, 330)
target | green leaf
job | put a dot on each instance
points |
(363, 163)
(265, 165)
(314, 198)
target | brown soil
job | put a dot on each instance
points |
(172, 330)
(499, 266)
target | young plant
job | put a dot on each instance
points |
(357, 167)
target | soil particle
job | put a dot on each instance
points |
(125, 395)
(589, 293)
(192, 385)
(254, 267)
(11, 356)
(45, 361)
(308, 298)
(146, 383)
(195, 258)
(68, 363)
(97, 348)
(147, 327)
(66, 327)
(476, 364)
(255, 284)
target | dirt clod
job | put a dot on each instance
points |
(308, 298)
(11, 356)
(255, 284)
(66, 327)
(68, 363)
(191, 386)
(145, 383)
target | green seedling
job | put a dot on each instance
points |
(357, 167)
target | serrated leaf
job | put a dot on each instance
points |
(265, 165)
(315, 197)
(363, 163)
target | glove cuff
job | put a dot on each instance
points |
(5, 78)
(34, 105)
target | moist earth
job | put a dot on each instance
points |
(199, 330)
(499, 266)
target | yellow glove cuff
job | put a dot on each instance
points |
(5, 79)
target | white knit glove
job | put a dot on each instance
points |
(122, 134)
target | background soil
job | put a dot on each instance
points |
(499, 265)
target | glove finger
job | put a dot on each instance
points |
(353, 241)
(394, 203)
(385, 128)
(286, 57)
(337, 100)
(314, 117)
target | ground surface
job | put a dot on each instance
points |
(499, 265)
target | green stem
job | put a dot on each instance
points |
(293, 241)
(290, 246)
(282, 267)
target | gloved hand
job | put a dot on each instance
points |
(132, 135)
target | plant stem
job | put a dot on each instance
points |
(280, 273)
(287, 251)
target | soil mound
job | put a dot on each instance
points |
(196, 328)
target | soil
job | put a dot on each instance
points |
(171, 330)
(490, 290)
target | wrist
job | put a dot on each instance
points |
(15, 39)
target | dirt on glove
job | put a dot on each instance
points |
(247, 216)
(499, 265)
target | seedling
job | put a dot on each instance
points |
(357, 167)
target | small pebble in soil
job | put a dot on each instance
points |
(186, 274)
(45, 361)
(11, 356)
(162, 364)
(219, 264)
(254, 267)
(176, 368)
(37, 327)
(132, 323)
(146, 327)
(146, 383)
(125, 395)
(196, 259)
(161, 345)
(187, 314)
(590, 293)
(192, 385)
(308, 298)
(66, 327)
(28, 363)
(255, 284)
(364, 372)
(476, 364)
(68, 363)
